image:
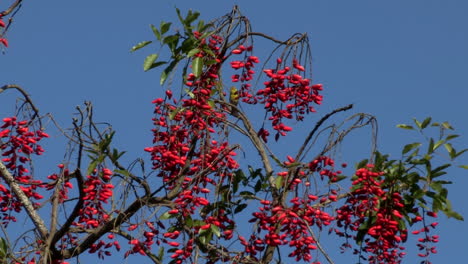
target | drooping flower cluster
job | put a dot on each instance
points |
(18, 144)
(98, 190)
(370, 203)
(426, 241)
(287, 93)
(279, 225)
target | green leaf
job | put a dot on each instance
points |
(447, 125)
(200, 25)
(166, 215)
(189, 93)
(197, 66)
(157, 64)
(246, 194)
(460, 152)
(181, 19)
(192, 16)
(174, 112)
(362, 164)
(409, 147)
(164, 27)
(239, 176)
(150, 59)
(452, 214)
(140, 45)
(240, 208)
(279, 182)
(430, 148)
(418, 124)
(438, 144)
(339, 178)
(193, 52)
(3, 248)
(441, 168)
(167, 71)
(189, 44)
(211, 103)
(171, 41)
(451, 136)
(426, 122)
(403, 126)
(209, 51)
(156, 32)
(464, 167)
(215, 230)
(258, 185)
(450, 150)
(92, 166)
(161, 253)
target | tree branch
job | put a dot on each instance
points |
(33, 215)
(11, 8)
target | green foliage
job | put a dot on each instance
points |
(3, 250)
(100, 151)
(180, 44)
(415, 176)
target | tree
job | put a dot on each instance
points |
(190, 206)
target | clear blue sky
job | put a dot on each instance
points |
(394, 59)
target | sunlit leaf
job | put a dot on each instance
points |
(197, 66)
(403, 126)
(450, 150)
(193, 52)
(141, 45)
(447, 125)
(438, 144)
(150, 59)
(418, 124)
(279, 182)
(215, 230)
(409, 147)
(156, 32)
(452, 136)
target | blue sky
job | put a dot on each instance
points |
(394, 59)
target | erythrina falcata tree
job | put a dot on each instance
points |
(200, 202)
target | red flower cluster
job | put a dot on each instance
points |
(247, 73)
(369, 203)
(287, 94)
(20, 143)
(66, 184)
(183, 137)
(186, 152)
(98, 191)
(287, 226)
(426, 242)
(4, 41)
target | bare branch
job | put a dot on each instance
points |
(317, 126)
(11, 8)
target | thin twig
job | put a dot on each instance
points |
(317, 126)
